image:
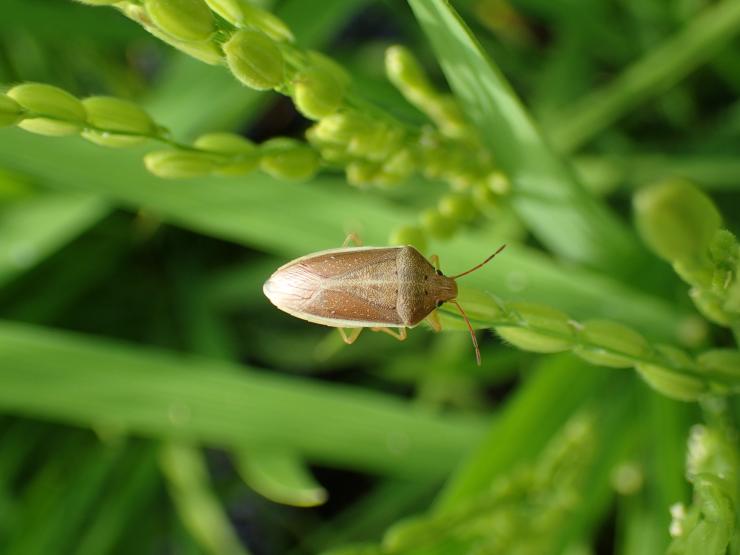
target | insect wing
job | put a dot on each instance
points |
(340, 287)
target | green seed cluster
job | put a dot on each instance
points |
(708, 525)
(49, 110)
(682, 225)
(370, 146)
(519, 513)
(453, 211)
(381, 151)
(543, 329)
(115, 123)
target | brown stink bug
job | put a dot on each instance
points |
(380, 288)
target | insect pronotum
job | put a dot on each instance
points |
(367, 287)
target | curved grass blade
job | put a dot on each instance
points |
(276, 474)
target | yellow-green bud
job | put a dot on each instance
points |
(724, 252)
(224, 143)
(317, 93)
(360, 172)
(724, 248)
(177, 164)
(230, 10)
(724, 361)
(10, 111)
(255, 60)
(241, 13)
(605, 341)
(498, 183)
(317, 58)
(334, 154)
(408, 235)
(66, 115)
(265, 21)
(676, 220)
(119, 122)
(446, 112)
(484, 198)
(401, 164)
(338, 128)
(540, 328)
(285, 158)
(457, 207)
(709, 305)
(670, 383)
(376, 141)
(205, 51)
(405, 72)
(437, 225)
(717, 496)
(242, 153)
(186, 20)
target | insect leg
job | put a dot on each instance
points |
(434, 259)
(352, 238)
(400, 334)
(350, 337)
(434, 322)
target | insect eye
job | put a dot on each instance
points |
(439, 272)
(440, 303)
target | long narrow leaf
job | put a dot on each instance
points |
(68, 378)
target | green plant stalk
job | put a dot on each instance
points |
(276, 474)
(553, 204)
(200, 510)
(500, 316)
(660, 69)
(216, 403)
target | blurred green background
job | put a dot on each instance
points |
(153, 401)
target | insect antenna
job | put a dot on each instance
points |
(486, 261)
(470, 327)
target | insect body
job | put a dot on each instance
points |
(365, 287)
